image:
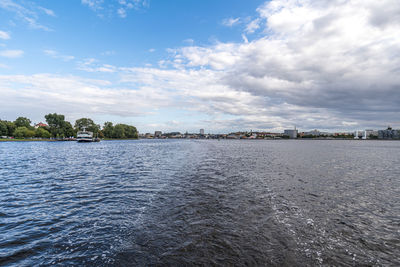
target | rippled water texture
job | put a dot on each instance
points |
(195, 202)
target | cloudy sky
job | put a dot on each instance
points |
(221, 65)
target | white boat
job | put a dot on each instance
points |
(84, 136)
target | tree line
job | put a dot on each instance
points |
(58, 127)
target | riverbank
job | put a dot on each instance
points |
(116, 139)
(25, 140)
(53, 140)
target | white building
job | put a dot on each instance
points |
(157, 134)
(291, 133)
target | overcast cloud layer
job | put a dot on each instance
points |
(327, 64)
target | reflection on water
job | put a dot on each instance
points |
(200, 202)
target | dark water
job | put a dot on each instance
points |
(255, 203)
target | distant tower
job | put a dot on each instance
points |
(364, 135)
(202, 131)
(356, 135)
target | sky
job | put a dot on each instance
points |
(182, 65)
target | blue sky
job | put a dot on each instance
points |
(140, 38)
(222, 65)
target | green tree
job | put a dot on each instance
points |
(3, 128)
(10, 127)
(130, 131)
(22, 122)
(108, 129)
(119, 131)
(7, 128)
(20, 132)
(23, 131)
(68, 130)
(56, 124)
(88, 124)
(43, 133)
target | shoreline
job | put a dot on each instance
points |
(53, 140)
(125, 139)
(26, 140)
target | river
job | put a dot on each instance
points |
(200, 202)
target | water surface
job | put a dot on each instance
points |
(200, 202)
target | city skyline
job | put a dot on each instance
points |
(221, 66)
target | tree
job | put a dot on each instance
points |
(22, 122)
(68, 130)
(56, 124)
(43, 133)
(10, 127)
(3, 128)
(130, 131)
(7, 128)
(23, 131)
(119, 131)
(88, 124)
(108, 129)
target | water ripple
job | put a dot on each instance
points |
(194, 202)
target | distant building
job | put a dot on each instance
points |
(157, 134)
(389, 133)
(253, 136)
(41, 124)
(372, 133)
(313, 133)
(148, 136)
(291, 133)
(172, 135)
(202, 131)
(232, 136)
(343, 134)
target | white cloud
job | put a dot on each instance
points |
(11, 53)
(4, 35)
(27, 13)
(229, 22)
(56, 55)
(75, 96)
(119, 7)
(47, 11)
(93, 4)
(108, 53)
(121, 12)
(244, 37)
(315, 64)
(321, 64)
(253, 26)
(93, 65)
(188, 41)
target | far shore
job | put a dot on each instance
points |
(54, 140)
(121, 139)
(25, 140)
